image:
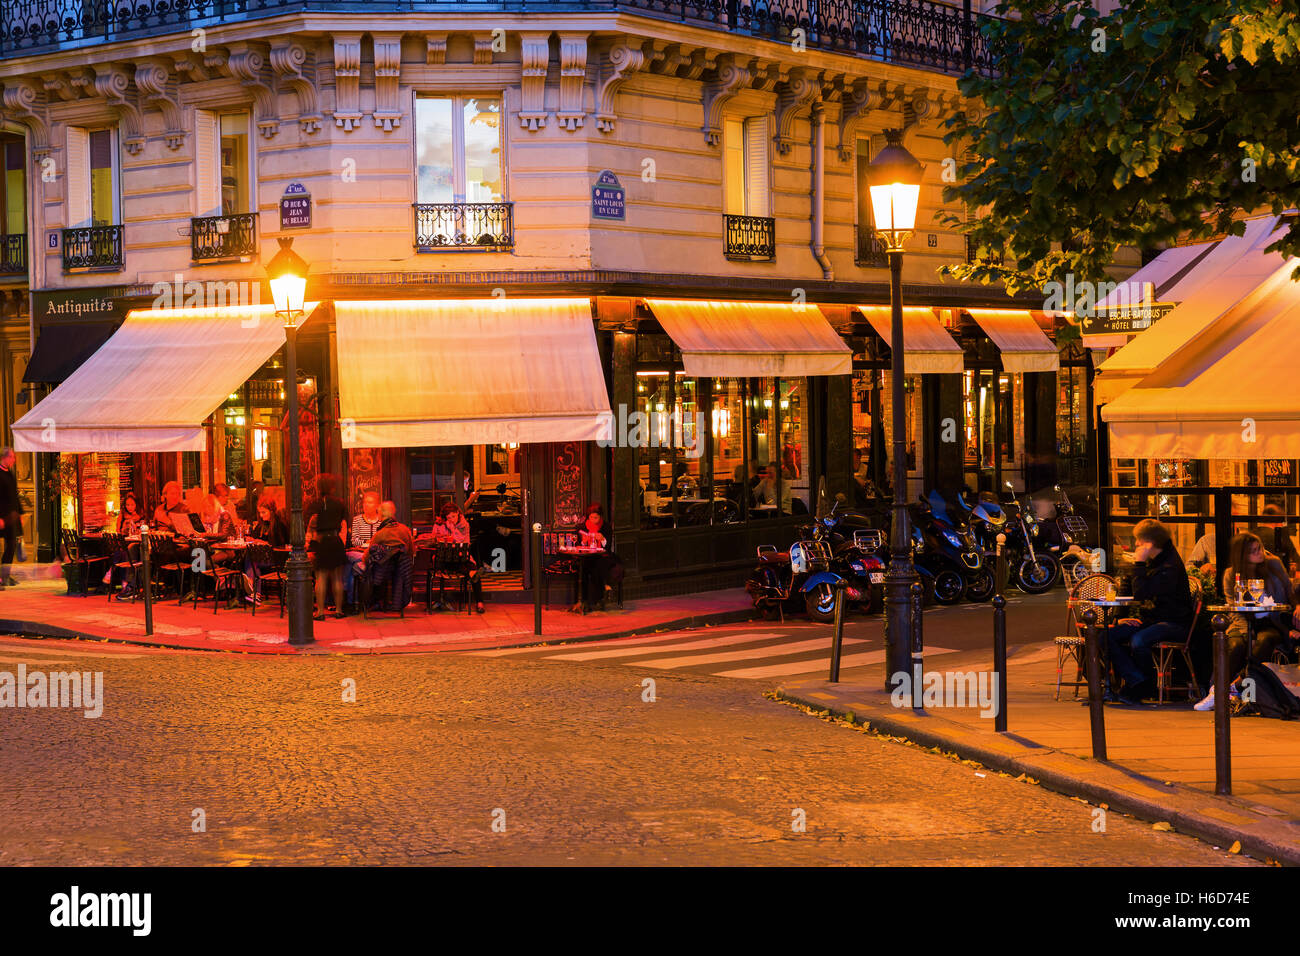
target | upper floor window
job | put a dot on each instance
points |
(92, 177)
(748, 167)
(870, 250)
(13, 185)
(458, 149)
(224, 185)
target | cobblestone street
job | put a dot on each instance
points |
(567, 756)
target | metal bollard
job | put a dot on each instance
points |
(838, 642)
(1096, 709)
(917, 649)
(537, 579)
(1000, 566)
(1222, 734)
(147, 582)
(1000, 659)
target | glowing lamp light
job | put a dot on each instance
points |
(894, 179)
(287, 272)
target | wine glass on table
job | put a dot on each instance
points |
(1256, 588)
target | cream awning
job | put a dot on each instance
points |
(1219, 395)
(1024, 346)
(740, 339)
(152, 385)
(469, 372)
(927, 346)
(1248, 271)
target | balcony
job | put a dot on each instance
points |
(749, 238)
(871, 249)
(214, 238)
(13, 255)
(464, 226)
(926, 34)
(95, 248)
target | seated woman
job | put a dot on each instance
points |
(1248, 559)
(451, 526)
(270, 528)
(216, 520)
(601, 572)
(129, 521)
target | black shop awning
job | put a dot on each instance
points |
(61, 350)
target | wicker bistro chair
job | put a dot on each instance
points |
(166, 558)
(1168, 651)
(73, 545)
(1070, 647)
(124, 557)
(223, 577)
(451, 565)
(263, 555)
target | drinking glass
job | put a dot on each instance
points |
(1256, 588)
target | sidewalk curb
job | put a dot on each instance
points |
(1189, 811)
(37, 630)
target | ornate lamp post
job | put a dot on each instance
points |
(894, 178)
(287, 272)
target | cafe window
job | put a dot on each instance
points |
(92, 180)
(748, 166)
(251, 446)
(458, 149)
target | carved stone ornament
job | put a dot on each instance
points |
(247, 63)
(347, 81)
(388, 75)
(535, 59)
(621, 60)
(731, 77)
(158, 89)
(113, 85)
(295, 66)
(573, 80)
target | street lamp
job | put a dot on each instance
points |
(894, 179)
(287, 272)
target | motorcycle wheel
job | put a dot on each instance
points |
(1074, 571)
(979, 588)
(1037, 575)
(948, 587)
(820, 603)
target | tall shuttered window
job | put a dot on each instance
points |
(92, 177)
(223, 183)
(748, 167)
(14, 185)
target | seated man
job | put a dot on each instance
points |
(1164, 613)
(391, 537)
(173, 504)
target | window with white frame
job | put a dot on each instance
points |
(223, 164)
(747, 175)
(458, 149)
(93, 178)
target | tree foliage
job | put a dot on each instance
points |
(1162, 120)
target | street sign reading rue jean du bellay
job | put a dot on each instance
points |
(295, 207)
(607, 197)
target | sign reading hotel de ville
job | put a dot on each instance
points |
(607, 197)
(295, 207)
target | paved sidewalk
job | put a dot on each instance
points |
(41, 608)
(1161, 759)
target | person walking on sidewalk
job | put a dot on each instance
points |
(1160, 586)
(11, 515)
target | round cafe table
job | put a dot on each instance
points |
(1251, 611)
(586, 556)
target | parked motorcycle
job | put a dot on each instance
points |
(1033, 568)
(950, 535)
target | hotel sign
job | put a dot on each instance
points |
(607, 197)
(1125, 318)
(295, 207)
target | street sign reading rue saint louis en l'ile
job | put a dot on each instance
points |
(607, 197)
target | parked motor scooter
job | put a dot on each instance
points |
(1033, 568)
(954, 538)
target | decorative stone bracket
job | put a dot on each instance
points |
(247, 64)
(113, 84)
(25, 105)
(535, 60)
(158, 89)
(388, 75)
(347, 80)
(732, 76)
(799, 92)
(621, 60)
(295, 66)
(859, 100)
(573, 79)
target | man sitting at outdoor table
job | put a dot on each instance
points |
(391, 536)
(364, 525)
(173, 503)
(1164, 609)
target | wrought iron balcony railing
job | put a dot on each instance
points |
(13, 254)
(223, 237)
(750, 238)
(871, 248)
(93, 247)
(928, 34)
(464, 226)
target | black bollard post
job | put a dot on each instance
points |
(1222, 734)
(838, 642)
(537, 579)
(917, 649)
(1000, 659)
(147, 582)
(1096, 709)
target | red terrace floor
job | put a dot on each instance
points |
(40, 605)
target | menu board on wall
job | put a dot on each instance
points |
(365, 473)
(94, 511)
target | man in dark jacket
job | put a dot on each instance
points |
(1164, 602)
(11, 515)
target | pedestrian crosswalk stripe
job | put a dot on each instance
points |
(791, 668)
(613, 642)
(689, 646)
(748, 654)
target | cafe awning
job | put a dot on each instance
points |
(1024, 346)
(469, 372)
(1222, 394)
(927, 345)
(741, 339)
(62, 349)
(1232, 282)
(154, 383)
